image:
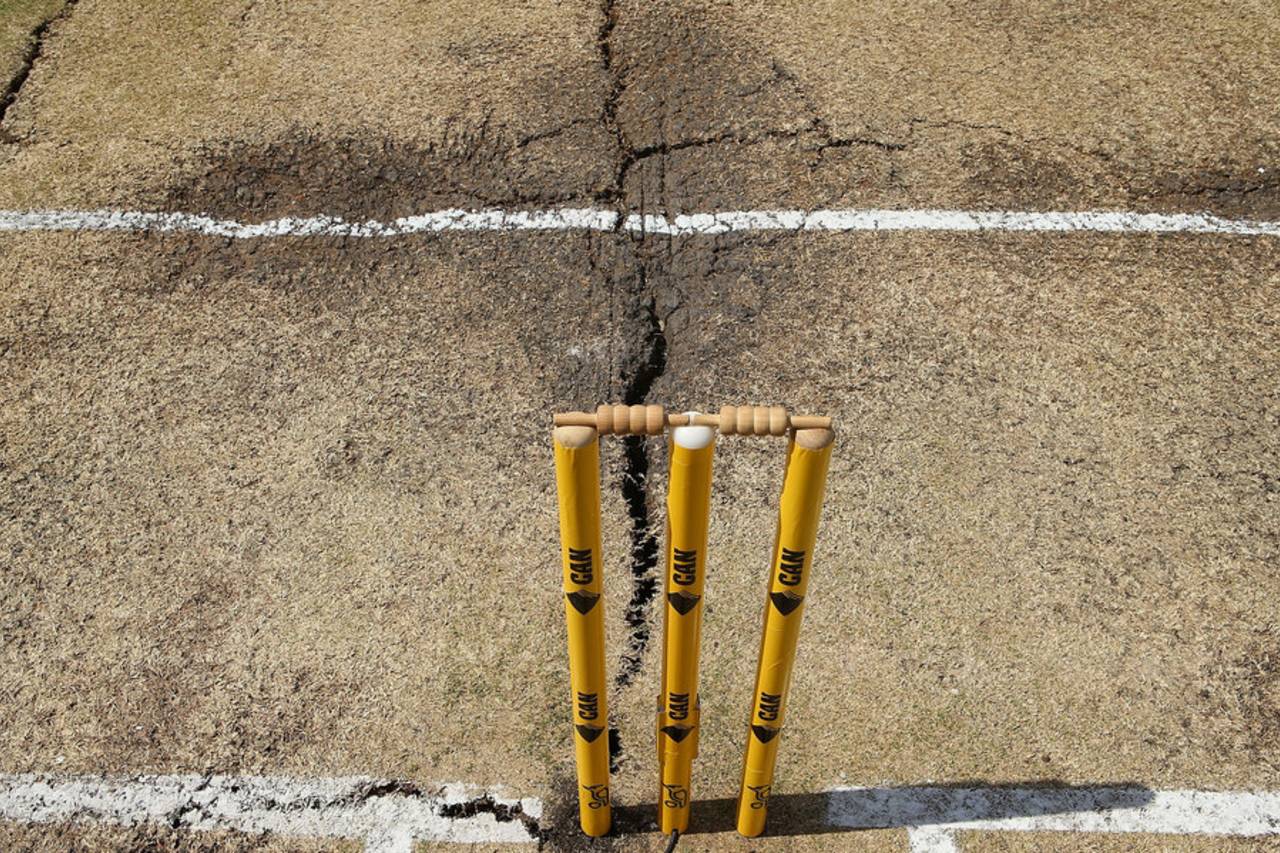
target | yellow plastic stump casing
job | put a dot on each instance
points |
(578, 486)
(688, 508)
(803, 487)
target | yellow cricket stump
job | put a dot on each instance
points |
(688, 509)
(803, 486)
(577, 450)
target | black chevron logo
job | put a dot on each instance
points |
(589, 733)
(786, 602)
(683, 602)
(676, 733)
(764, 734)
(582, 601)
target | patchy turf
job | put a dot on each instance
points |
(24, 24)
(92, 839)
(1016, 842)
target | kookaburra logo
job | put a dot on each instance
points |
(761, 794)
(599, 796)
(790, 567)
(580, 566)
(677, 796)
(684, 566)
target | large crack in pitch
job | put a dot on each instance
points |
(658, 280)
(635, 494)
(34, 51)
(644, 369)
(502, 813)
(609, 109)
(644, 545)
(374, 809)
(661, 285)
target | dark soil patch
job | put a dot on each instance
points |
(1245, 691)
(1249, 190)
(366, 177)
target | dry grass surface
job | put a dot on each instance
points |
(58, 837)
(287, 505)
(1016, 842)
(18, 20)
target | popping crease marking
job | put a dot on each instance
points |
(933, 815)
(684, 225)
(388, 818)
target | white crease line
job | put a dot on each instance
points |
(387, 816)
(928, 810)
(684, 225)
(388, 820)
(930, 839)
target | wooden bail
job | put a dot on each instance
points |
(652, 420)
(753, 420)
(630, 420)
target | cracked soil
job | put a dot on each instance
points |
(287, 505)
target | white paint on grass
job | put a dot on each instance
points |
(1122, 222)
(311, 226)
(386, 817)
(600, 219)
(389, 817)
(931, 839)
(933, 814)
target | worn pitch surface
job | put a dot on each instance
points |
(287, 505)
